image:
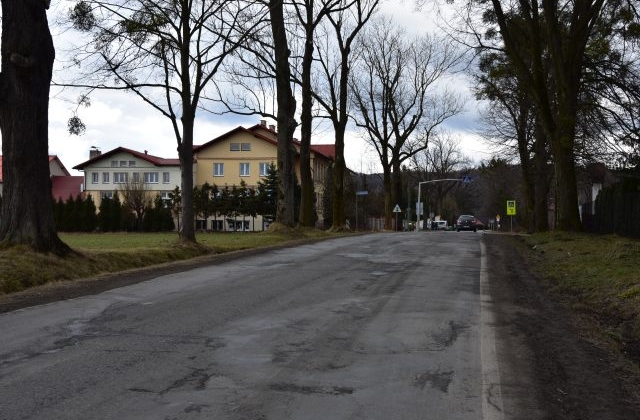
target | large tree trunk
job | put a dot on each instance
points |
(27, 63)
(388, 196)
(526, 163)
(307, 216)
(396, 195)
(542, 179)
(339, 169)
(185, 145)
(285, 212)
(340, 126)
(568, 216)
(185, 154)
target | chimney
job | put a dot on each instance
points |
(272, 127)
(146, 152)
(263, 123)
(94, 152)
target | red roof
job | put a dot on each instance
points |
(64, 187)
(155, 160)
(236, 130)
(326, 150)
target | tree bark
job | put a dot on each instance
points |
(396, 196)
(185, 145)
(285, 212)
(541, 216)
(185, 154)
(339, 167)
(388, 199)
(25, 77)
(306, 179)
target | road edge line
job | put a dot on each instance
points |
(492, 406)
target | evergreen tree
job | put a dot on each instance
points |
(267, 194)
(90, 218)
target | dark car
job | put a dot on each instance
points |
(468, 222)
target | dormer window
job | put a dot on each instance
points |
(237, 147)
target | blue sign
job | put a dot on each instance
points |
(466, 179)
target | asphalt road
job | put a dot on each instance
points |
(385, 326)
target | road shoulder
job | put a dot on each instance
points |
(550, 364)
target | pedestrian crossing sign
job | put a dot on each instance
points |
(511, 207)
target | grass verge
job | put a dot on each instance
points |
(597, 276)
(97, 254)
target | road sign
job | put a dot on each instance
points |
(511, 207)
(362, 192)
(396, 209)
(466, 179)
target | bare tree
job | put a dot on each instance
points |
(167, 52)
(335, 57)
(399, 99)
(25, 77)
(310, 14)
(136, 198)
(443, 159)
(285, 212)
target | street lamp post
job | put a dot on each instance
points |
(465, 179)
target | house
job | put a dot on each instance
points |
(245, 154)
(106, 173)
(63, 185)
(242, 154)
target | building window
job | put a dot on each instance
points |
(166, 198)
(264, 168)
(236, 147)
(120, 177)
(244, 169)
(105, 177)
(218, 169)
(95, 177)
(165, 177)
(150, 177)
(132, 163)
(123, 163)
(114, 163)
(136, 177)
(217, 225)
(107, 194)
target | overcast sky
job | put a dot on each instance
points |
(121, 119)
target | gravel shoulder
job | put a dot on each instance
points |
(575, 374)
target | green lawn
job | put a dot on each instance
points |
(597, 275)
(99, 253)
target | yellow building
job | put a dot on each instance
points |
(244, 154)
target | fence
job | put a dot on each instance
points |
(617, 210)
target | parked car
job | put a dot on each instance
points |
(468, 222)
(441, 225)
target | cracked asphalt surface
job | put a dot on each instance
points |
(385, 326)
